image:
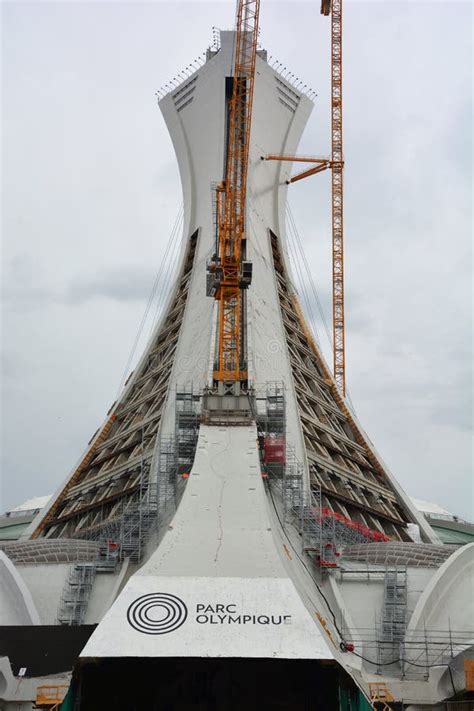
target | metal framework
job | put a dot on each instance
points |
(336, 164)
(341, 461)
(76, 593)
(394, 614)
(320, 165)
(416, 655)
(50, 696)
(108, 481)
(337, 184)
(231, 201)
(325, 532)
(380, 694)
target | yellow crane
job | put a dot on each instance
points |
(336, 164)
(229, 273)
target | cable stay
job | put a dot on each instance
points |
(295, 238)
(306, 286)
(158, 292)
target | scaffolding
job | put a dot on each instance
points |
(139, 519)
(176, 452)
(292, 487)
(416, 654)
(325, 532)
(380, 695)
(76, 594)
(167, 474)
(393, 623)
(125, 533)
(394, 605)
(186, 430)
(275, 408)
(49, 696)
(157, 493)
(271, 425)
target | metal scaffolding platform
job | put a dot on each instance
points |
(271, 423)
(186, 430)
(292, 486)
(394, 615)
(166, 474)
(138, 520)
(76, 593)
(325, 532)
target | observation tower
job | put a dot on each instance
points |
(241, 529)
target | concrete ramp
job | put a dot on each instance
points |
(216, 586)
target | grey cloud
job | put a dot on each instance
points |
(121, 285)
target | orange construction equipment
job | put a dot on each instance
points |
(469, 674)
(380, 695)
(50, 697)
(320, 165)
(230, 272)
(336, 164)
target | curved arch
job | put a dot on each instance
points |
(448, 597)
(16, 604)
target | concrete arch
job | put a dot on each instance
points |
(16, 604)
(448, 600)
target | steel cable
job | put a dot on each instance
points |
(166, 262)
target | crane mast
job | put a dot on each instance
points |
(337, 187)
(229, 273)
(336, 164)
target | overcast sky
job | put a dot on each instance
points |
(91, 191)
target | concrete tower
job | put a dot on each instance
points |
(321, 431)
(243, 535)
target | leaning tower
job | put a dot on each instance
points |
(250, 545)
(321, 431)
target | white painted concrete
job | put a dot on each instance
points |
(219, 558)
(37, 502)
(100, 599)
(46, 581)
(221, 528)
(448, 600)
(16, 604)
(198, 133)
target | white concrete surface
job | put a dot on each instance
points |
(46, 581)
(101, 596)
(219, 560)
(16, 604)
(197, 132)
(435, 510)
(447, 602)
(37, 502)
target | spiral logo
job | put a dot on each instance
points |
(157, 613)
(273, 346)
